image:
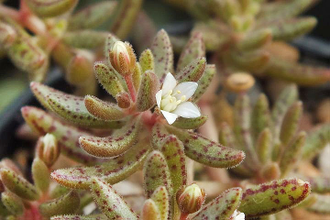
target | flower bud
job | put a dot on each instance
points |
(190, 198)
(48, 149)
(240, 82)
(122, 58)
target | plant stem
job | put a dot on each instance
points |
(131, 89)
(184, 216)
(12, 13)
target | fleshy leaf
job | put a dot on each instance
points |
(260, 117)
(156, 173)
(18, 185)
(159, 134)
(103, 110)
(92, 16)
(147, 60)
(12, 203)
(194, 49)
(150, 211)
(190, 123)
(161, 198)
(108, 78)
(319, 184)
(80, 217)
(255, 40)
(112, 171)
(40, 174)
(50, 8)
(70, 107)
(66, 135)
(86, 39)
(207, 152)
(204, 82)
(107, 199)
(193, 71)
(146, 97)
(221, 207)
(66, 204)
(136, 76)
(264, 146)
(272, 197)
(113, 145)
(163, 54)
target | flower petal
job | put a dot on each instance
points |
(169, 83)
(186, 88)
(170, 117)
(187, 110)
(159, 97)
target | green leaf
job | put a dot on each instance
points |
(161, 198)
(113, 145)
(50, 8)
(319, 184)
(204, 82)
(69, 107)
(136, 76)
(194, 49)
(12, 203)
(193, 71)
(156, 173)
(86, 39)
(150, 211)
(80, 217)
(146, 97)
(18, 185)
(66, 204)
(255, 40)
(159, 134)
(221, 207)
(264, 146)
(3, 210)
(207, 152)
(147, 60)
(190, 123)
(92, 16)
(66, 135)
(40, 175)
(260, 117)
(107, 199)
(103, 110)
(273, 197)
(112, 171)
(163, 54)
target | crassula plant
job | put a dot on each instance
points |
(248, 36)
(40, 31)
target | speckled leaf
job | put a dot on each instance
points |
(40, 174)
(150, 211)
(298, 73)
(156, 173)
(66, 204)
(264, 146)
(86, 39)
(316, 141)
(260, 117)
(80, 217)
(159, 134)
(291, 122)
(103, 110)
(221, 207)
(18, 185)
(190, 123)
(204, 81)
(136, 76)
(255, 40)
(147, 60)
(107, 199)
(113, 145)
(108, 78)
(146, 97)
(206, 151)
(193, 71)
(161, 198)
(227, 137)
(66, 135)
(319, 184)
(272, 197)
(58, 191)
(112, 171)
(50, 8)
(282, 104)
(194, 49)
(92, 16)
(322, 204)
(12, 203)
(70, 107)
(163, 54)
(3, 210)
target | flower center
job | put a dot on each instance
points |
(171, 100)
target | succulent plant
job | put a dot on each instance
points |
(41, 30)
(246, 36)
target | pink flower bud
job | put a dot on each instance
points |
(122, 58)
(48, 149)
(190, 198)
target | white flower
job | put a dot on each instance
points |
(172, 99)
(238, 216)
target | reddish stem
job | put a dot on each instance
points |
(131, 89)
(184, 216)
